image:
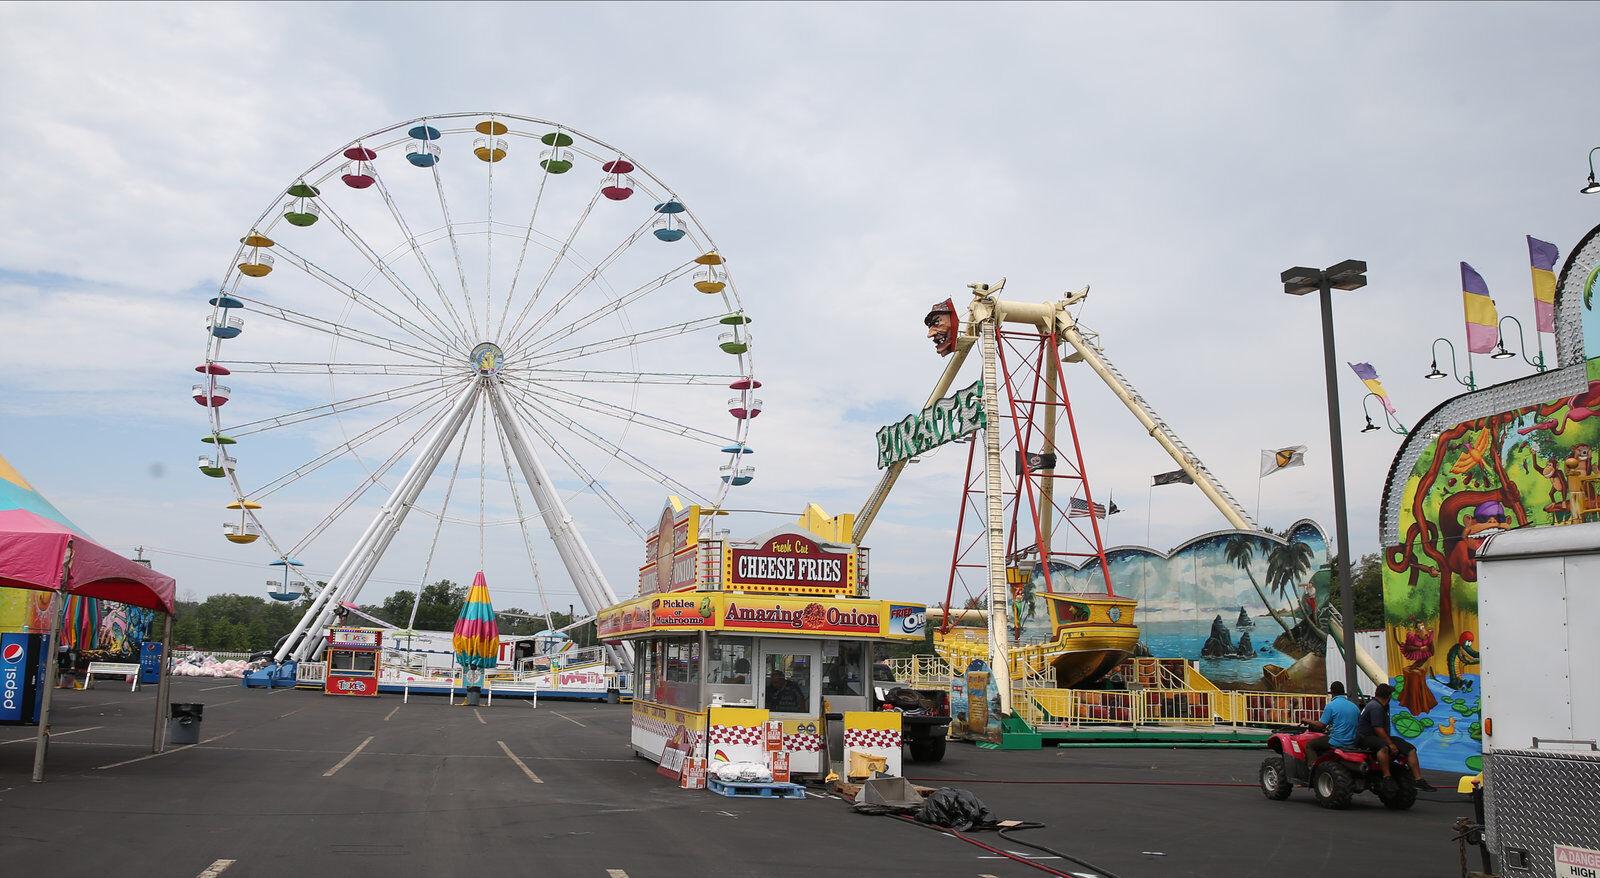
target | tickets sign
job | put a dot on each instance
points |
(789, 563)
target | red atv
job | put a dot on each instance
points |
(1337, 775)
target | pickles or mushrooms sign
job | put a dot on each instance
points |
(957, 415)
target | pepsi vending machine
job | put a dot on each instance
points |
(22, 670)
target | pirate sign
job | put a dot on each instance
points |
(942, 326)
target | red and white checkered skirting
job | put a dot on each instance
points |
(860, 739)
(802, 743)
(752, 735)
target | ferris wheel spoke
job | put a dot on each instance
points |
(633, 339)
(555, 263)
(434, 385)
(416, 251)
(447, 337)
(373, 478)
(290, 367)
(606, 310)
(593, 376)
(582, 473)
(344, 448)
(522, 256)
(623, 413)
(455, 246)
(589, 278)
(405, 349)
(531, 407)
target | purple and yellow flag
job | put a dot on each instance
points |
(1483, 322)
(1543, 255)
(1369, 377)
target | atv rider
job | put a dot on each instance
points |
(1372, 733)
(1338, 725)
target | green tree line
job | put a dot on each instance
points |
(248, 623)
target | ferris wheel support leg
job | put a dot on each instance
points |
(353, 571)
(593, 588)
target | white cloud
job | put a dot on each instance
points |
(856, 165)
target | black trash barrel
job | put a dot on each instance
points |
(183, 726)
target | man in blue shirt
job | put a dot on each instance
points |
(1372, 733)
(1338, 724)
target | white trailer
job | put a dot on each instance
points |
(1538, 611)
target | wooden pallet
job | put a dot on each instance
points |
(755, 790)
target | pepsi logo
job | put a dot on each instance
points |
(12, 653)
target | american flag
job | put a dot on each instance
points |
(1079, 508)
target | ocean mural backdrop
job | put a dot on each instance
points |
(1244, 605)
(1519, 454)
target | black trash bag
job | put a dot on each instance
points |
(955, 809)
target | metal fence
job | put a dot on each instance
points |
(1075, 708)
(179, 655)
(310, 672)
(921, 671)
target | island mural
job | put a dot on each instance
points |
(1248, 607)
(1532, 465)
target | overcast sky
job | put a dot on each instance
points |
(857, 163)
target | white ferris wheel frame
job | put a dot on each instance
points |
(444, 385)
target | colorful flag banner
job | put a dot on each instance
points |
(1273, 460)
(1079, 508)
(1543, 255)
(1483, 322)
(1369, 377)
(1176, 477)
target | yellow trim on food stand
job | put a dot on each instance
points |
(774, 615)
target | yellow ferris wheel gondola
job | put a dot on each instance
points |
(244, 530)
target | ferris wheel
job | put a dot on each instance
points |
(487, 320)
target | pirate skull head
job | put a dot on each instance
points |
(942, 326)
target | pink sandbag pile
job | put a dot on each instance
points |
(205, 666)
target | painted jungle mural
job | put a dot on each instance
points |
(1533, 466)
(1249, 608)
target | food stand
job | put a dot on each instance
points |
(354, 660)
(730, 635)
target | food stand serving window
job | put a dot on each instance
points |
(730, 670)
(678, 676)
(787, 676)
(843, 668)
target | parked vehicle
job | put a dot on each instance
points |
(925, 714)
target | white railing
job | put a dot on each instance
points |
(921, 671)
(179, 655)
(311, 672)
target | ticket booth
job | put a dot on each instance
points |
(730, 636)
(354, 658)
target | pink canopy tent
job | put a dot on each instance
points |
(33, 550)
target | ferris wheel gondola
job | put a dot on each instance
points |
(516, 310)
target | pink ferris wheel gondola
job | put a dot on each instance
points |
(358, 174)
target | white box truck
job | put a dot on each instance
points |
(1539, 618)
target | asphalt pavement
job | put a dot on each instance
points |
(295, 783)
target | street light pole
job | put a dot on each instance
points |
(1346, 275)
(1347, 597)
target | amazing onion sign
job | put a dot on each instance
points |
(790, 563)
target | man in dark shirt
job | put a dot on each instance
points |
(1372, 733)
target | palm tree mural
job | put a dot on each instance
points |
(1240, 550)
(1288, 565)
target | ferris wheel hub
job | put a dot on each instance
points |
(487, 358)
